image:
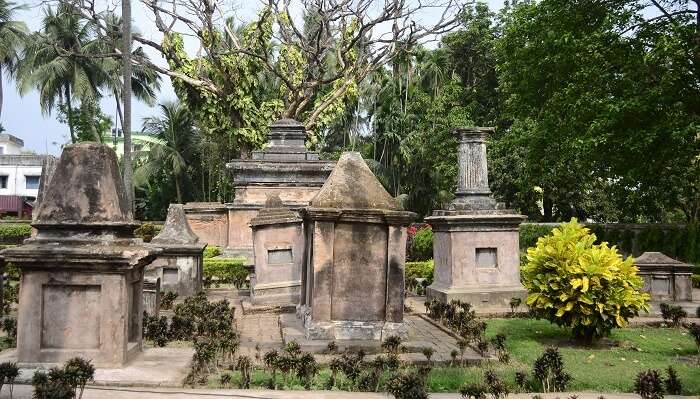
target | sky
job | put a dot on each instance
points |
(22, 115)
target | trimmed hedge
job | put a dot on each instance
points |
(14, 233)
(416, 270)
(211, 251)
(225, 271)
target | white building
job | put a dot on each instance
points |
(20, 173)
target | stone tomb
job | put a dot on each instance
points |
(82, 275)
(209, 221)
(278, 246)
(353, 280)
(665, 278)
(179, 265)
(476, 241)
(284, 168)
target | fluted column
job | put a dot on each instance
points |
(473, 171)
(473, 191)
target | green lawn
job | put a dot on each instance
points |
(608, 367)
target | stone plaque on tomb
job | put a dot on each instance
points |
(476, 241)
(353, 276)
(278, 247)
(665, 278)
(82, 274)
(179, 264)
(285, 168)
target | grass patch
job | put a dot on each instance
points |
(610, 366)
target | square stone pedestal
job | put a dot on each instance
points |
(477, 260)
(69, 314)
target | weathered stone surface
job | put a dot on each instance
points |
(665, 278)
(179, 265)
(176, 230)
(476, 242)
(352, 185)
(86, 187)
(285, 168)
(151, 296)
(82, 274)
(278, 241)
(209, 221)
(353, 280)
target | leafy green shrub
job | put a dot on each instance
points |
(9, 325)
(673, 313)
(414, 270)
(694, 330)
(167, 300)
(147, 231)
(472, 391)
(422, 245)
(648, 385)
(226, 271)
(14, 233)
(530, 232)
(211, 251)
(574, 283)
(156, 329)
(67, 382)
(409, 384)
(695, 278)
(8, 373)
(548, 370)
(673, 383)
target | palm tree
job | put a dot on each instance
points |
(145, 82)
(172, 147)
(12, 36)
(61, 62)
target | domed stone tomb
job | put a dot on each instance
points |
(353, 279)
(82, 274)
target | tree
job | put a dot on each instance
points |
(126, 99)
(604, 106)
(172, 148)
(12, 36)
(61, 62)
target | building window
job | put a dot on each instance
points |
(32, 182)
(2, 150)
(3, 181)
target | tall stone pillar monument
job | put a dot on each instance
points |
(476, 242)
(82, 274)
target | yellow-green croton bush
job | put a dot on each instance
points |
(575, 283)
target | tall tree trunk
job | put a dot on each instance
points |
(1, 98)
(178, 189)
(120, 115)
(70, 115)
(126, 98)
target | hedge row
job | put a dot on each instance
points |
(225, 270)
(14, 233)
(677, 241)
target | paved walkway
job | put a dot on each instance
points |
(24, 392)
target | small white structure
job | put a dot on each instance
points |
(20, 175)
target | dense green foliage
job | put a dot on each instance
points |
(11, 234)
(211, 251)
(422, 245)
(575, 283)
(225, 271)
(602, 111)
(414, 270)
